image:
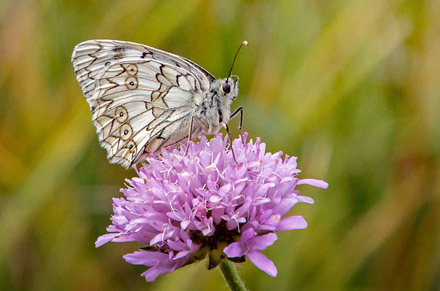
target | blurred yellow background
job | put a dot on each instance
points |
(350, 87)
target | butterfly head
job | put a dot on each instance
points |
(228, 88)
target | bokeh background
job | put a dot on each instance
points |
(350, 87)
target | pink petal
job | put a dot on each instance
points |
(247, 235)
(152, 273)
(181, 254)
(262, 262)
(103, 239)
(305, 199)
(313, 182)
(235, 249)
(146, 258)
(292, 222)
(176, 245)
(262, 242)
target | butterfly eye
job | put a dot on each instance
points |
(226, 88)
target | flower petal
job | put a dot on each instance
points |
(235, 249)
(152, 273)
(292, 222)
(263, 241)
(262, 262)
(247, 235)
(103, 239)
(313, 182)
(146, 258)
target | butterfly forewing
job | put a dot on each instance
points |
(142, 99)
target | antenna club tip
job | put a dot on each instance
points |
(236, 54)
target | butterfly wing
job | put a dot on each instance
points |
(142, 99)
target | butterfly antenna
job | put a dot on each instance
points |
(244, 43)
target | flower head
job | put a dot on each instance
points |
(184, 207)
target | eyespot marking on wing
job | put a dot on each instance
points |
(131, 83)
(121, 114)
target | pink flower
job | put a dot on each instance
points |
(187, 207)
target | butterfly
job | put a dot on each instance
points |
(144, 99)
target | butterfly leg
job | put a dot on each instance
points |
(230, 141)
(240, 125)
(203, 126)
(190, 130)
(189, 134)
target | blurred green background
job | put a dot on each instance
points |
(350, 87)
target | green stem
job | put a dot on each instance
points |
(231, 276)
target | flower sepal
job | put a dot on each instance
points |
(216, 256)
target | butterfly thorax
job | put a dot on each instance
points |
(215, 110)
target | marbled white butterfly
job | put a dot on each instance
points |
(143, 99)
